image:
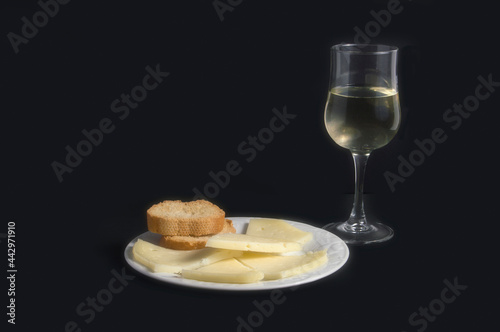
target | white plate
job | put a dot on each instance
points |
(337, 253)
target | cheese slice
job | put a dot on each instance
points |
(246, 242)
(227, 271)
(277, 229)
(160, 259)
(278, 267)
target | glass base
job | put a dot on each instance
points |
(375, 232)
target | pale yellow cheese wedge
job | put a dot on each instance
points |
(160, 259)
(278, 267)
(226, 271)
(246, 242)
(277, 229)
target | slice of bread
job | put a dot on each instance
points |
(196, 218)
(192, 242)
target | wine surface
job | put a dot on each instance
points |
(362, 119)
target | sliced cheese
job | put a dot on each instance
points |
(228, 271)
(246, 242)
(277, 229)
(160, 259)
(278, 267)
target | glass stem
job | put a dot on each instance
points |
(357, 220)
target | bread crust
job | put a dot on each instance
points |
(196, 218)
(192, 242)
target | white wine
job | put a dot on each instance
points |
(362, 118)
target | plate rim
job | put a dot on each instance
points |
(240, 222)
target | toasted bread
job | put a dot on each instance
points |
(192, 242)
(196, 218)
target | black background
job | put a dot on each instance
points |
(225, 79)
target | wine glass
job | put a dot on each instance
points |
(362, 114)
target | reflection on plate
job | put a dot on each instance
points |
(337, 252)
